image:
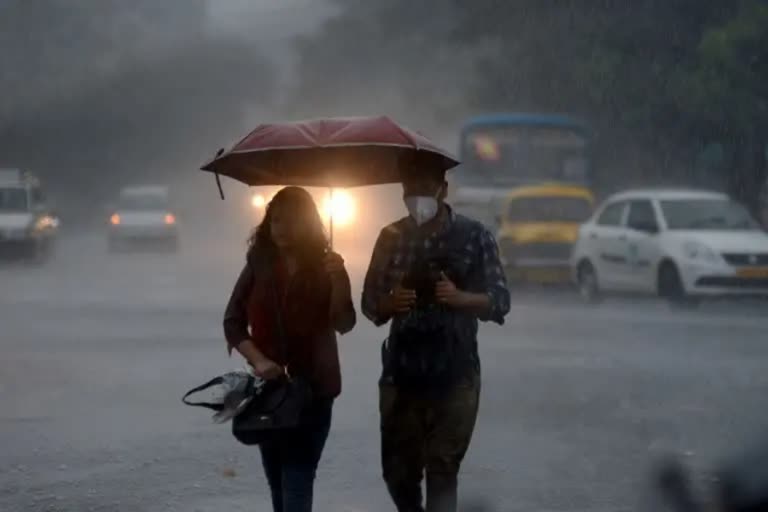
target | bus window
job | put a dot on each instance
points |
(510, 155)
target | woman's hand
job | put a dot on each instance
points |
(267, 369)
(334, 265)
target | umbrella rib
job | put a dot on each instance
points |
(404, 133)
(304, 129)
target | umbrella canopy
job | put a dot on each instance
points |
(331, 152)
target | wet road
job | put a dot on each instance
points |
(577, 401)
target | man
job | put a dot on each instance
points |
(434, 274)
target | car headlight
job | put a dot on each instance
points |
(697, 251)
(44, 223)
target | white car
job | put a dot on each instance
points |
(679, 244)
(28, 228)
(143, 217)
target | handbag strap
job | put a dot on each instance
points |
(208, 405)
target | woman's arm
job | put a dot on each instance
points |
(343, 315)
(342, 312)
(236, 328)
(235, 315)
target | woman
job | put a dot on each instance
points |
(289, 268)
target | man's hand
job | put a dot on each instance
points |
(267, 369)
(334, 265)
(447, 293)
(400, 300)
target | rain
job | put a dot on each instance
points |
(588, 389)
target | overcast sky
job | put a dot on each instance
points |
(268, 20)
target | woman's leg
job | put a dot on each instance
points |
(271, 459)
(301, 456)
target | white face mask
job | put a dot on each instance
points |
(422, 208)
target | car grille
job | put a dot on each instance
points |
(543, 250)
(746, 259)
(733, 282)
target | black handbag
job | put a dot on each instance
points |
(280, 404)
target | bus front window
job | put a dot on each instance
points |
(517, 155)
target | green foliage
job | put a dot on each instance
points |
(659, 79)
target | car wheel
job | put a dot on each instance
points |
(672, 289)
(589, 288)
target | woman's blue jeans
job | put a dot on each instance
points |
(290, 459)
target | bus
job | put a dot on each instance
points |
(502, 151)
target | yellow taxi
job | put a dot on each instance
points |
(538, 226)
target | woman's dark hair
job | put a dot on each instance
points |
(294, 201)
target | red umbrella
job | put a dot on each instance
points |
(331, 152)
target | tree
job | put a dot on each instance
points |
(645, 74)
(725, 95)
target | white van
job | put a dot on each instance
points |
(27, 226)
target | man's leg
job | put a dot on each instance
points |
(402, 447)
(450, 431)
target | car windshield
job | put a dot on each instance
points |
(707, 214)
(13, 199)
(549, 209)
(148, 202)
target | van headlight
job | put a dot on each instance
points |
(696, 251)
(45, 223)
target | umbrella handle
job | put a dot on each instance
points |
(330, 215)
(218, 183)
(218, 180)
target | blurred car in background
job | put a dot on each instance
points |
(537, 227)
(142, 217)
(679, 244)
(28, 227)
